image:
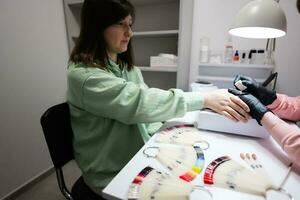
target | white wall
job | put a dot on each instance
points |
(184, 45)
(33, 57)
(288, 48)
(212, 18)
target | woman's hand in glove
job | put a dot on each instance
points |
(264, 95)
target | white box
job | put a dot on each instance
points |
(158, 61)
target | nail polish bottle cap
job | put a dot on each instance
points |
(244, 55)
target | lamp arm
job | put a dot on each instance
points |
(271, 44)
(270, 49)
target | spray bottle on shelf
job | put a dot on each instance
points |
(228, 54)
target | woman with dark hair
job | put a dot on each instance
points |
(113, 112)
(97, 16)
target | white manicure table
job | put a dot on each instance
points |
(273, 159)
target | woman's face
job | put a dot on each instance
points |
(117, 36)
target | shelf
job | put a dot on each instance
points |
(135, 2)
(159, 69)
(149, 33)
(238, 65)
(221, 81)
(231, 70)
(147, 2)
(155, 33)
(77, 3)
(220, 78)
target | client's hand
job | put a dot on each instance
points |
(227, 104)
(263, 94)
(257, 109)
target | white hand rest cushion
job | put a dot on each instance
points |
(209, 120)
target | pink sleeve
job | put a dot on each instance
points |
(286, 107)
(286, 135)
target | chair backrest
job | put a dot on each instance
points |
(58, 133)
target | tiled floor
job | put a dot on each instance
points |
(47, 189)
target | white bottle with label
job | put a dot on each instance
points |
(228, 54)
(204, 50)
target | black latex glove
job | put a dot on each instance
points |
(263, 94)
(257, 109)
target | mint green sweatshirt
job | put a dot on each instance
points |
(113, 113)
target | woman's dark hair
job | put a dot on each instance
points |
(298, 6)
(96, 16)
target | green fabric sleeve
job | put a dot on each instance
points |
(130, 103)
(194, 100)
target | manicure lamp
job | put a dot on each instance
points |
(260, 19)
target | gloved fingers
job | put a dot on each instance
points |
(237, 78)
(245, 78)
(248, 84)
(242, 78)
(245, 81)
(235, 92)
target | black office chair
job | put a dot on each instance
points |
(58, 134)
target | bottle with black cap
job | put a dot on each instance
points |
(243, 59)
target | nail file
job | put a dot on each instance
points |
(240, 86)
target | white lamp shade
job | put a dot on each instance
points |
(260, 19)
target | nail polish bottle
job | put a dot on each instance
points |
(236, 57)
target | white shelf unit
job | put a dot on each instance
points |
(155, 33)
(159, 69)
(72, 10)
(77, 3)
(222, 75)
(156, 30)
(149, 33)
